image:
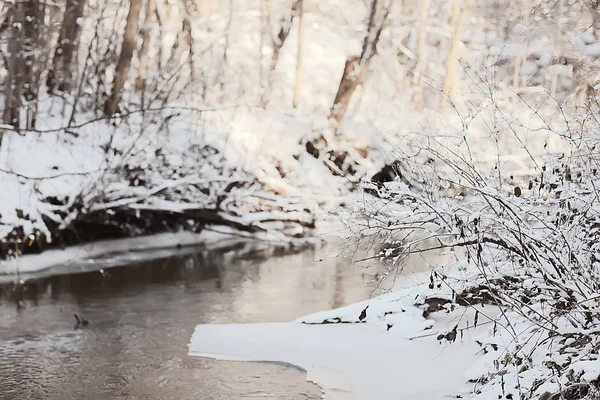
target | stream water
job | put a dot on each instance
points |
(140, 318)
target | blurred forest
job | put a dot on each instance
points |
(110, 57)
(258, 114)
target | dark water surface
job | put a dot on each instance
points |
(141, 317)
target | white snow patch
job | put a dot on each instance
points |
(79, 254)
(347, 361)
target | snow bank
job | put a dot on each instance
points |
(72, 256)
(385, 348)
(347, 361)
(173, 177)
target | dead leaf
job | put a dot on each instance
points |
(450, 336)
(363, 314)
(517, 191)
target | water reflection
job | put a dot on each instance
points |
(141, 317)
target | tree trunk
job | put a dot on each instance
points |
(189, 39)
(221, 77)
(451, 81)
(356, 67)
(36, 61)
(60, 75)
(520, 55)
(33, 18)
(594, 6)
(140, 81)
(5, 20)
(557, 43)
(422, 54)
(204, 9)
(23, 43)
(265, 32)
(351, 78)
(127, 49)
(160, 39)
(13, 91)
(278, 42)
(299, 55)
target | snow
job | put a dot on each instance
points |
(380, 348)
(389, 312)
(73, 256)
(590, 369)
(104, 168)
(255, 143)
(384, 348)
(513, 349)
(347, 361)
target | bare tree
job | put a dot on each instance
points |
(421, 53)
(561, 6)
(525, 11)
(127, 49)
(13, 91)
(278, 42)
(36, 57)
(299, 55)
(594, 7)
(160, 40)
(150, 16)
(60, 74)
(451, 81)
(265, 26)
(188, 35)
(356, 67)
(221, 76)
(23, 43)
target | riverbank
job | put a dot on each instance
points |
(159, 173)
(516, 295)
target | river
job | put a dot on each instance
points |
(140, 317)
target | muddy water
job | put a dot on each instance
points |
(141, 317)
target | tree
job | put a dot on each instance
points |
(24, 36)
(421, 54)
(127, 49)
(150, 16)
(188, 35)
(451, 81)
(356, 67)
(13, 91)
(60, 74)
(284, 31)
(298, 88)
(561, 6)
(525, 11)
(265, 34)
(221, 77)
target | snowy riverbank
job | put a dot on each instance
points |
(516, 294)
(423, 341)
(101, 182)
